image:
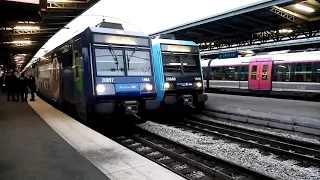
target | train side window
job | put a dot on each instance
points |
(216, 73)
(205, 72)
(228, 73)
(254, 73)
(77, 64)
(265, 72)
(244, 73)
(303, 72)
(282, 72)
(318, 72)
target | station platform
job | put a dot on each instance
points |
(38, 141)
(296, 115)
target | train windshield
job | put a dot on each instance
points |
(138, 63)
(115, 62)
(181, 64)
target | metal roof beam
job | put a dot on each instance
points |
(264, 46)
(234, 27)
(258, 21)
(209, 31)
(286, 14)
(64, 5)
(27, 32)
(252, 7)
(300, 34)
(59, 17)
(291, 15)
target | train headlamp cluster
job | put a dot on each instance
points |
(105, 89)
(100, 88)
(199, 84)
(146, 87)
(149, 87)
(166, 85)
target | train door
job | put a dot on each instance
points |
(260, 74)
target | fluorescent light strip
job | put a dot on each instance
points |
(304, 8)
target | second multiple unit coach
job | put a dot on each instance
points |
(178, 72)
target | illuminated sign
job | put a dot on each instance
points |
(111, 39)
(179, 48)
(228, 55)
(26, 1)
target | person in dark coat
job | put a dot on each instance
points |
(23, 87)
(10, 83)
(32, 86)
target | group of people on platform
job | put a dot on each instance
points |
(17, 86)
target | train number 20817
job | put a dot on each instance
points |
(107, 80)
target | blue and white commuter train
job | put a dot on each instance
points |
(178, 72)
(102, 71)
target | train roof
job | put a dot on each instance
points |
(116, 31)
(175, 42)
(292, 57)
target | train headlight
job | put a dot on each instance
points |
(105, 89)
(146, 87)
(166, 85)
(149, 87)
(199, 84)
(100, 88)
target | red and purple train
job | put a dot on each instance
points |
(293, 74)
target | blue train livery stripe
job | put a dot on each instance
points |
(158, 71)
(124, 80)
(188, 43)
(132, 87)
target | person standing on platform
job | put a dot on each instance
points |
(10, 82)
(32, 86)
(23, 87)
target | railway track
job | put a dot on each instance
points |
(266, 142)
(185, 161)
(267, 135)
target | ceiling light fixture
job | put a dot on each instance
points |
(27, 28)
(304, 8)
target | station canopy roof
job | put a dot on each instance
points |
(25, 25)
(268, 21)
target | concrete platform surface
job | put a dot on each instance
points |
(114, 160)
(31, 150)
(268, 105)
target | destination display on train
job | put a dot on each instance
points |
(26, 1)
(179, 48)
(111, 39)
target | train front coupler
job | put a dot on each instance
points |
(131, 107)
(187, 100)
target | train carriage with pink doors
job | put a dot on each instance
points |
(293, 74)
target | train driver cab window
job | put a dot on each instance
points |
(303, 72)
(109, 62)
(138, 63)
(254, 73)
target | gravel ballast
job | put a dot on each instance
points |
(290, 135)
(247, 157)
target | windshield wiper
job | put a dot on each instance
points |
(114, 56)
(129, 58)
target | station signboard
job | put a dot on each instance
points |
(228, 55)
